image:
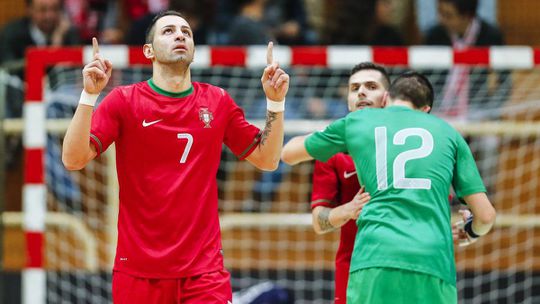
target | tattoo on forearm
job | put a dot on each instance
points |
(324, 220)
(270, 117)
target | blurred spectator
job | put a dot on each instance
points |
(368, 22)
(197, 13)
(289, 23)
(283, 21)
(356, 14)
(468, 92)
(426, 12)
(136, 9)
(459, 24)
(248, 26)
(95, 18)
(44, 25)
(384, 33)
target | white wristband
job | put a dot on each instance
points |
(275, 106)
(88, 99)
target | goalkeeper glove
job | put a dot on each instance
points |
(466, 227)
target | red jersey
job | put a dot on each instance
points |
(336, 183)
(168, 149)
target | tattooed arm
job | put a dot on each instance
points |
(327, 219)
(321, 220)
(275, 84)
(266, 155)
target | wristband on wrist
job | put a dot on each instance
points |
(468, 227)
(88, 99)
(275, 106)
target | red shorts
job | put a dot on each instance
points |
(212, 288)
(341, 280)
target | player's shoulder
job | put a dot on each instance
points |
(352, 116)
(366, 116)
(123, 94)
(439, 122)
(212, 93)
(365, 113)
(414, 118)
(441, 129)
(128, 89)
(204, 87)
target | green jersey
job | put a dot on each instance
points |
(407, 160)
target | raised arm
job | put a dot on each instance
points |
(328, 219)
(275, 84)
(77, 150)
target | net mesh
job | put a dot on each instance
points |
(259, 244)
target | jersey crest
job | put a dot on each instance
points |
(206, 116)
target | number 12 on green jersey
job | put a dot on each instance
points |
(398, 165)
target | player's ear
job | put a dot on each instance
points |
(426, 109)
(384, 102)
(148, 50)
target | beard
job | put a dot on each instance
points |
(171, 58)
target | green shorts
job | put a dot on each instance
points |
(396, 286)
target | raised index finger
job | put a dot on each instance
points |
(269, 53)
(95, 46)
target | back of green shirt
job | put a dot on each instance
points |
(407, 160)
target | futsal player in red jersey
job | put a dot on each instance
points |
(337, 199)
(168, 133)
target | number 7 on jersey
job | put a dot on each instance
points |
(189, 138)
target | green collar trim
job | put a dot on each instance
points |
(167, 93)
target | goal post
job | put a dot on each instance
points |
(265, 220)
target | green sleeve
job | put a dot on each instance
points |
(466, 179)
(324, 144)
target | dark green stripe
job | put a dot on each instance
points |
(99, 143)
(255, 141)
(323, 201)
(167, 93)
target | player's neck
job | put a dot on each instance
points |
(402, 103)
(168, 78)
(410, 105)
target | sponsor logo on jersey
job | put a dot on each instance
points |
(348, 174)
(146, 124)
(206, 116)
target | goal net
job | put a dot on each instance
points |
(265, 220)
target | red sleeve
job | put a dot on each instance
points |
(106, 121)
(325, 185)
(240, 136)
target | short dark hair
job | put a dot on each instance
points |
(150, 31)
(372, 66)
(414, 87)
(464, 7)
